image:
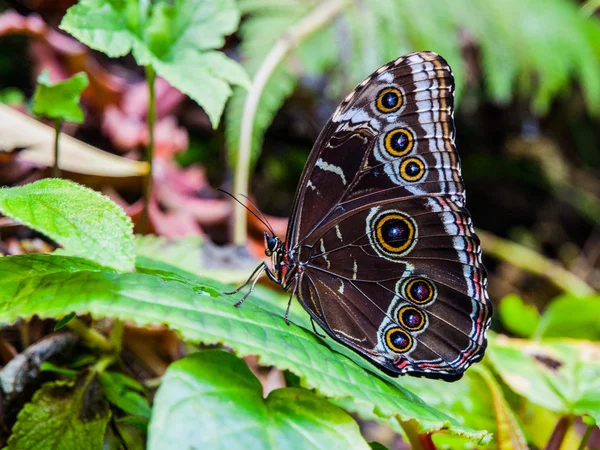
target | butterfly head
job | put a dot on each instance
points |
(272, 244)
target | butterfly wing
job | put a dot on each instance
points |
(390, 264)
(402, 283)
(366, 149)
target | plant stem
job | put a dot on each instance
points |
(104, 362)
(559, 433)
(57, 128)
(321, 15)
(586, 435)
(415, 438)
(92, 337)
(531, 261)
(590, 7)
(116, 335)
(151, 119)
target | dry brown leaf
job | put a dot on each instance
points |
(18, 130)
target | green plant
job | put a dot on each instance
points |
(59, 101)
(174, 40)
(53, 285)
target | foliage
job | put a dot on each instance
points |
(178, 39)
(557, 320)
(204, 397)
(561, 376)
(63, 416)
(60, 100)
(521, 44)
(47, 285)
(266, 23)
(82, 220)
(116, 283)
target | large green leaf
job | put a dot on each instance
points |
(63, 416)
(574, 317)
(211, 399)
(477, 401)
(82, 220)
(60, 100)
(49, 285)
(518, 317)
(177, 39)
(562, 376)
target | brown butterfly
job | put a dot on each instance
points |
(380, 249)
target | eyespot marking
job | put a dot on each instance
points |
(399, 142)
(395, 232)
(398, 340)
(412, 169)
(419, 291)
(411, 318)
(389, 100)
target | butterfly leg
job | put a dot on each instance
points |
(260, 267)
(256, 275)
(287, 310)
(312, 322)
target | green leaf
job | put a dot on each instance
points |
(518, 317)
(211, 399)
(477, 401)
(177, 39)
(574, 317)
(377, 446)
(83, 221)
(118, 389)
(63, 416)
(60, 100)
(65, 320)
(12, 96)
(49, 367)
(562, 376)
(46, 285)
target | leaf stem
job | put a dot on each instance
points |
(321, 15)
(57, 128)
(560, 431)
(91, 336)
(591, 424)
(533, 262)
(151, 119)
(415, 438)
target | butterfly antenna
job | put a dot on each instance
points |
(264, 222)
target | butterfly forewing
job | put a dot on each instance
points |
(389, 263)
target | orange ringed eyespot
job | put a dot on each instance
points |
(412, 169)
(419, 291)
(395, 233)
(399, 142)
(411, 318)
(389, 100)
(398, 340)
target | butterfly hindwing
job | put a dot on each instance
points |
(360, 270)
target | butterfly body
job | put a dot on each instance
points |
(380, 249)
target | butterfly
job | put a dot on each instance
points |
(380, 249)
